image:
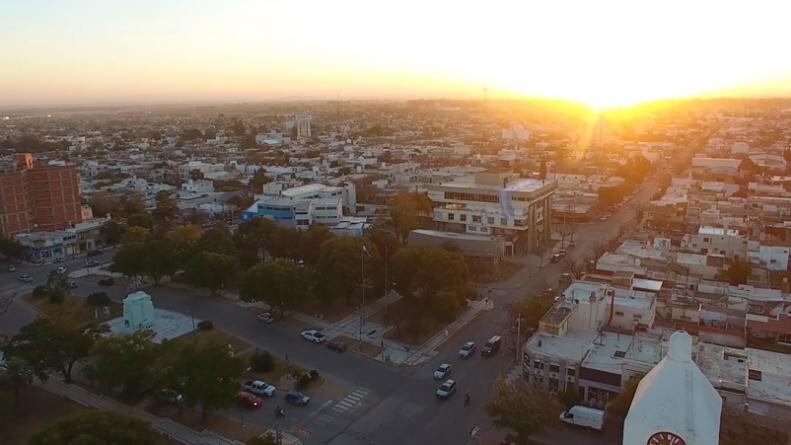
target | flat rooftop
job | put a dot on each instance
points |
(608, 353)
(572, 346)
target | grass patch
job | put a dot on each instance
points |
(73, 309)
(202, 337)
(239, 428)
(364, 348)
(414, 332)
(38, 410)
(337, 310)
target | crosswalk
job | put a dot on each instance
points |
(352, 402)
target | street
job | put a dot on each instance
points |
(366, 401)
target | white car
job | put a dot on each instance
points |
(467, 349)
(25, 278)
(265, 317)
(447, 389)
(259, 387)
(313, 335)
(443, 371)
(61, 269)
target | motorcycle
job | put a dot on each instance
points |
(279, 412)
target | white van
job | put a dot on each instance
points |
(584, 417)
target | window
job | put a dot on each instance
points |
(538, 364)
(491, 220)
(451, 216)
(503, 222)
(554, 368)
(463, 217)
(618, 313)
(476, 219)
(784, 338)
(538, 380)
(571, 372)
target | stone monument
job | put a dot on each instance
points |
(138, 312)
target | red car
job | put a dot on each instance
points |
(249, 400)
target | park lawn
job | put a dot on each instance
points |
(240, 429)
(336, 311)
(73, 309)
(206, 336)
(39, 410)
(364, 348)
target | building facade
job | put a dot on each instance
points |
(38, 197)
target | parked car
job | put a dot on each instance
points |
(259, 387)
(72, 284)
(336, 345)
(169, 396)
(467, 349)
(265, 317)
(60, 269)
(249, 400)
(25, 278)
(106, 282)
(91, 263)
(446, 389)
(295, 397)
(11, 268)
(443, 371)
(584, 417)
(313, 335)
(492, 346)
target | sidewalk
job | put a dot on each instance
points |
(164, 426)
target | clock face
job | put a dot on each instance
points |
(665, 438)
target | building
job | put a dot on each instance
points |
(674, 403)
(297, 213)
(298, 125)
(38, 197)
(495, 204)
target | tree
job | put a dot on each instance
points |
(253, 240)
(112, 232)
(281, 284)
(123, 361)
(258, 181)
(312, 240)
(522, 408)
(248, 141)
(286, 243)
(210, 270)
(15, 374)
(404, 211)
(166, 211)
(130, 259)
(739, 271)
(52, 346)
(209, 376)
(13, 249)
(426, 270)
(140, 219)
(620, 406)
(196, 174)
(97, 427)
(135, 234)
(569, 397)
(531, 310)
(217, 240)
(339, 268)
(57, 286)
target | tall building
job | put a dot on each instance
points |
(495, 204)
(38, 197)
(298, 125)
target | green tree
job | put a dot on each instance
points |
(13, 249)
(57, 286)
(281, 284)
(166, 211)
(135, 234)
(258, 181)
(50, 345)
(217, 240)
(95, 428)
(210, 270)
(209, 376)
(286, 243)
(569, 397)
(196, 174)
(522, 408)
(404, 210)
(424, 271)
(339, 268)
(141, 219)
(252, 240)
(15, 374)
(130, 259)
(311, 243)
(112, 232)
(123, 361)
(531, 310)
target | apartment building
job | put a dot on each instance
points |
(38, 197)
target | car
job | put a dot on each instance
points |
(94, 253)
(442, 371)
(60, 269)
(249, 400)
(11, 268)
(336, 345)
(446, 389)
(555, 258)
(295, 397)
(265, 317)
(313, 335)
(467, 349)
(492, 346)
(169, 396)
(259, 387)
(72, 284)
(25, 278)
(91, 263)
(106, 282)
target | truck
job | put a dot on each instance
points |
(259, 388)
(584, 417)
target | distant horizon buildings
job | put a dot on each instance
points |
(38, 197)
(298, 125)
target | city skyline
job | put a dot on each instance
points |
(606, 54)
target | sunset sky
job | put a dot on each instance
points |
(602, 53)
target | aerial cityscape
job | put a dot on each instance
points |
(350, 223)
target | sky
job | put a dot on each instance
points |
(600, 52)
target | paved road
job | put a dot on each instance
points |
(365, 401)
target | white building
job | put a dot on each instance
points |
(498, 204)
(298, 125)
(199, 187)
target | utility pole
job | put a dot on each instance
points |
(386, 261)
(518, 336)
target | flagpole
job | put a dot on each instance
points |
(362, 286)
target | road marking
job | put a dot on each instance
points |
(346, 403)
